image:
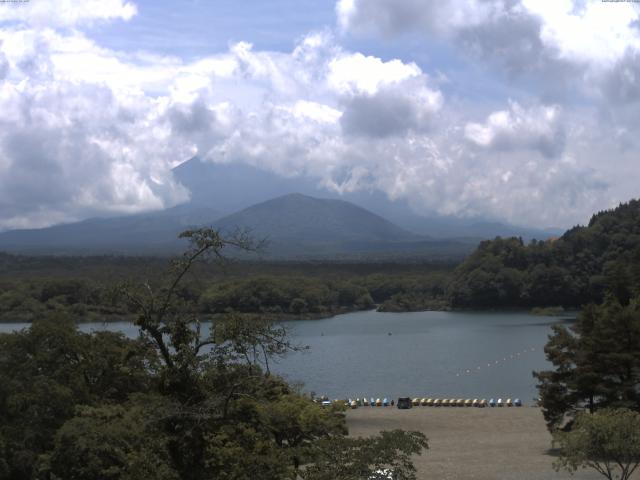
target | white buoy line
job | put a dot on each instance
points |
(494, 363)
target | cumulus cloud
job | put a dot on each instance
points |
(537, 128)
(567, 42)
(87, 130)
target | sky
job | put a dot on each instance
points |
(524, 111)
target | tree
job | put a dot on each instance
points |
(228, 416)
(596, 363)
(183, 401)
(607, 441)
(345, 458)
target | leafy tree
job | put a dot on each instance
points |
(120, 442)
(607, 441)
(596, 363)
(348, 458)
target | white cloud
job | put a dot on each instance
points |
(87, 130)
(538, 128)
(66, 13)
(568, 42)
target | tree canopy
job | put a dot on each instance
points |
(596, 362)
(607, 441)
(573, 270)
(173, 403)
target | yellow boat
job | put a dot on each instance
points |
(508, 403)
(468, 402)
(429, 402)
(483, 403)
(445, 402)
(460, 402)
(423, 402)
(416, 402)
(475, 403)
(437, 402)
(378, 402)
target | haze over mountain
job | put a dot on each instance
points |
(304, 219)
(231, 187)
(297, 225)
(148, 233)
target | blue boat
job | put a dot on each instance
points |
(385, 402)
(517, 402)
(372, 402)
(492, 403)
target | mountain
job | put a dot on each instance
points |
(146, 233)
(297, 225)
(366, 222)
(234, 186)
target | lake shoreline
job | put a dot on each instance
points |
(319, 315)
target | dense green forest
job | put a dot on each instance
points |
(573, 270)
(83, 288)
(172, 404)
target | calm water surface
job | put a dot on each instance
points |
(436, 354)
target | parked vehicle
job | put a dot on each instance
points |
(404, 403)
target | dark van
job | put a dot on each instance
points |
(404, 402)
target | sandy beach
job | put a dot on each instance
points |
(472, 443)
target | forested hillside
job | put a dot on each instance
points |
(575, 269)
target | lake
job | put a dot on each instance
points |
(425, 354)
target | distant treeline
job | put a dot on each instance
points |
(573, 270)
(281, 290)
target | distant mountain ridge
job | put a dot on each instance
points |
(234, 186)
(312, 222)
(145, 233)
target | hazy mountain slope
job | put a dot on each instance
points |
(299, 225)
(300, 217)
(231, 187)
(154, 232)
